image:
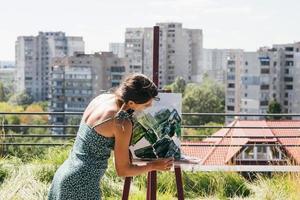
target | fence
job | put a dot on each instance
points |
(5, 126)
(184, 137)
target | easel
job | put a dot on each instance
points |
(152, 185)
(152, 176)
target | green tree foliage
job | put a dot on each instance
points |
(43, 105)
(2, 92)
(178, 86)
(74, 120)
(10, 119)
(273, 108)
(21, 99)
(208, 97)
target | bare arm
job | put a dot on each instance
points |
(124, 167)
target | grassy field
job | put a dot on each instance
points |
(31, 178)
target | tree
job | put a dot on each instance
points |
(209, 97)
(178, 86)
(74, 120)
(2, 92)
(21, 99)
(273, 108)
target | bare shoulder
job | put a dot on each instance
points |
(99, 110)
(126, 123)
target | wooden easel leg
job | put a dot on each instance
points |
(126, 188)
(179, 184)
(148, 186)
(151, 185)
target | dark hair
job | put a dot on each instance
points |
(137, 88)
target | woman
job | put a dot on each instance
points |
(105, 125)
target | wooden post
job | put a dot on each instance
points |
(179, 184)
(126, 188)
(151, 185)
(155, 54)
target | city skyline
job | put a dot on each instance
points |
(230, 24)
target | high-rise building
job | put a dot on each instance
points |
(215, 63)
(290, 73)
(34, 56)
(256, 78)
(76, 79)
(180, 52)
(117, 48)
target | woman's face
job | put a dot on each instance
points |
(140, 107)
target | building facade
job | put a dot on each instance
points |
(215, 63)
(256, 78)
(180, 52)
(34, 56)
(117, 48)
(77, 79)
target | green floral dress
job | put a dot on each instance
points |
(79, 176)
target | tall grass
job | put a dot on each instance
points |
(31, 180)
(279, 187)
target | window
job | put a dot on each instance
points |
(264, 103)
(249, 153)
(265, 62)
(264, 87)
(262, 152)
(230, 62)
(231, 77)
(289, 87)
(288, 79)
(289, 63)
(231, 85)
(289, 48)
(265, 71)
(274, 153)
(230, 108)
(286, 71)
(231, 100)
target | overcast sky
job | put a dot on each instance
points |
(225, 24)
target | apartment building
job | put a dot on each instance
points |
(34, 56)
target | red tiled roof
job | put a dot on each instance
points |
(293, 151)
(215, 155)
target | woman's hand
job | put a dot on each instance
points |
(161, 164)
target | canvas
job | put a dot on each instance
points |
(157, 131)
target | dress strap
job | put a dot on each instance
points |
(120, 115)
(102, 122)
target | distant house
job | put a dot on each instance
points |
(240, 154)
